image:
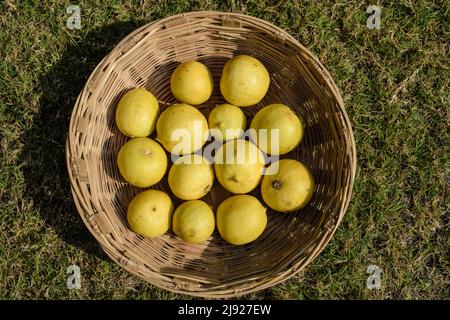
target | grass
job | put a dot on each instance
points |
(395, 83)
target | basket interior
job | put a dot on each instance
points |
(147, 59)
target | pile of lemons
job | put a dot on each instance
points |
(239, 164)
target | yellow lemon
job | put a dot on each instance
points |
(239, 165)
(290, 188)
(150, 213)
(244, 81)
(142, 162)
(241, 219)
(276, 117)
(193, 221)
(227, 122)
(182, 129)
(136, 113)
(191, 177)
(191, 82)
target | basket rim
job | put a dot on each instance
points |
(322, 241)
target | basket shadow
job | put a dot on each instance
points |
(43, 156)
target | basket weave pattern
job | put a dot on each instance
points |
(146, 58)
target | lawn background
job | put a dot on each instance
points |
(395, 84)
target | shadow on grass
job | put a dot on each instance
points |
(43, 158)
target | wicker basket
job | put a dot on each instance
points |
(147, 58)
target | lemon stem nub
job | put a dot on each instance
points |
(146, 152)
(276, 184)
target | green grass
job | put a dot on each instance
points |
(395, 83)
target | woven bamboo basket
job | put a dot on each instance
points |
(146, 58)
